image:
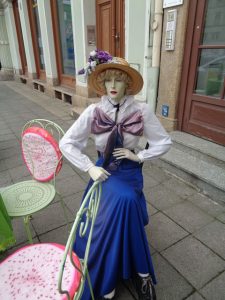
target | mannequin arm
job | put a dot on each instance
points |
(120, 153)
(98, 173)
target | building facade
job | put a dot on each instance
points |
(178, 46)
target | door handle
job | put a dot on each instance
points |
(117, 36)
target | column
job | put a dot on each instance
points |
(13, 41)
(25, 25)
(44, 10)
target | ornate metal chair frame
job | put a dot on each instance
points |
(93, 196)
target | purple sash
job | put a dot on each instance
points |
(103, 123)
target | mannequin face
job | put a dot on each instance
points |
(115, 88)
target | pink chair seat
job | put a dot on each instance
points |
(32, 273)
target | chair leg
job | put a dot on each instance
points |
(26, 221)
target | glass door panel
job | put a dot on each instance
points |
(214, 31)
(210, 72)
(66, 37)
(38, 34)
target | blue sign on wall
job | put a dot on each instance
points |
(165, 110)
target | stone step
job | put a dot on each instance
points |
(193, 143)
(197, 161)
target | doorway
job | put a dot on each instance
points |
(110, 26)
(202, 96)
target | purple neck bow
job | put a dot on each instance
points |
(103, 123)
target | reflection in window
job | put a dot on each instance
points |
(38, 32)
(211, 72)
(66, 36)
(214, 31)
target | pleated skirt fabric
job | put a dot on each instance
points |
(119, 246)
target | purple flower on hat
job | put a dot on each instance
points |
(96, 57)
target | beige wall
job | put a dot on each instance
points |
(171, 67)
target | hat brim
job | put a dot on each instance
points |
(136, 84)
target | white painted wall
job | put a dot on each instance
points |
(137, 37)
(45, 17)
(89, 19)
(25, 25)
(13, 42)
(77, 10)
(5, 55)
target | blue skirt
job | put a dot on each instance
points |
(119, 246)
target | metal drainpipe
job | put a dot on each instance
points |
(153, 72)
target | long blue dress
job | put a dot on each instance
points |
(119, 246)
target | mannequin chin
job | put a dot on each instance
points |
(115, 88)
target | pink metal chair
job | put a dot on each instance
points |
(43, 158)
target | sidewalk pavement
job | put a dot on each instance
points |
(186, 232)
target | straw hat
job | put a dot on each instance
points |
(119, 64)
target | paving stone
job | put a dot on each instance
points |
(194, 261)
(19, 173)
(3, 166)
(65, 172)
(221, 218)
(50, 218)
(5, 131)
(20, 231)
(14, 161)
(149, 182)
(73, 201)
(181, 188)
(195, 296)
(7, 137)
(188, 216)
(59, 235)
(5, 179)
(70, 185)
(213, 235)
(215, 290)
(162, 197)
(155, 172)
(163, 232)
(9, 143)
(206, 204)
(171, 285)
(9, 152)
(151, 209)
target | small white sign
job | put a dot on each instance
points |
(169, 3)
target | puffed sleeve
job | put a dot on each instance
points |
(75, 140)
(158, 139)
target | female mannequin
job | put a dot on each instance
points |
(119, 248)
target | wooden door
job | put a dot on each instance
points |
(63, 36)
(110, 26)
(202, 109)
(20, 37)
(36, 38)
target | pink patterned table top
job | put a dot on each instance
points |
(32, 273)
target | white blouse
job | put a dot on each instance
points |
(75, 139)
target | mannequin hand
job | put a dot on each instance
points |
(120, 153)
(98, 173)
